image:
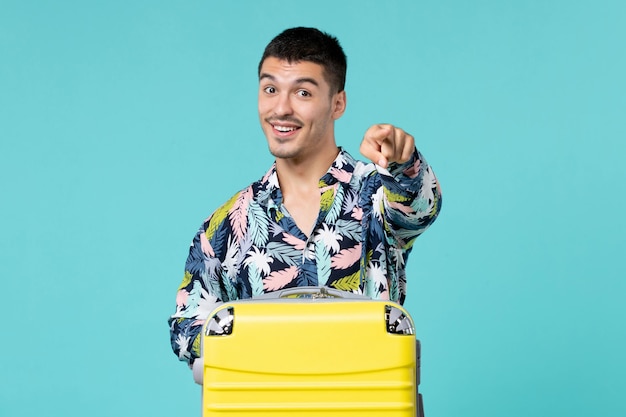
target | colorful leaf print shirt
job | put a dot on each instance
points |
(369, 217)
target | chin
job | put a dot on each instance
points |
(281, 150)
(282, 153)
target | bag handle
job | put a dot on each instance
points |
(312, 292)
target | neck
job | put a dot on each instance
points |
(300, 176)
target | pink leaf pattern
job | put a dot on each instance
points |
(401, 207)
(329, 187)
(413, 170)
(206, 247)
(341, 175)
(269, 173)
(238, 214)
(294, 241)
(346, 257)
(181, 298)
(279, 279)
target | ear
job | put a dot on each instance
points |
(339, 104)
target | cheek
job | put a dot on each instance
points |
(322, 115)
(311, 112)
(263, 103)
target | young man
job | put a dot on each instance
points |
(318, 217)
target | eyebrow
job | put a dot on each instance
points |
(298, 81)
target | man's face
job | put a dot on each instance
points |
(296, 108)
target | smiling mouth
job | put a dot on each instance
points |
(285, 129)
(284, 126)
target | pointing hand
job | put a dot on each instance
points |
(384, 143)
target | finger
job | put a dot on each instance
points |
(392, 145)
(385, 137)
(404, 146)
(407, 149)
(371, 149)
(398, 138)
(372, 145)
(388, 148)
(379, 132)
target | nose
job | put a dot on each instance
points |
(283, 105)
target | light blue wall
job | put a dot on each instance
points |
(117, 117)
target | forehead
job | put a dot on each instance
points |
(283, 71)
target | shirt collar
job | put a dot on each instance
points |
(340, 171)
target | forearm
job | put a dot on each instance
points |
(411, 197)
(185, 338)
(199, 292)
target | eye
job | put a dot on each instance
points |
(269, 89)
(303, 93)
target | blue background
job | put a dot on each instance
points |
(123, 124)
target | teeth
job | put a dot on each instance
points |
(284, 128)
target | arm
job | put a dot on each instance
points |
(411, 196)
(199, 292)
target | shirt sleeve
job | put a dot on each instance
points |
(411, 199)
(198, 294)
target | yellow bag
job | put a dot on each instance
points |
(309, 351)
